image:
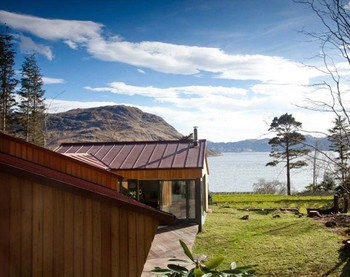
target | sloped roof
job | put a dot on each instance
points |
(47, 175)
(53, 178)
(141, 154)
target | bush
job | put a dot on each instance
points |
(269, 187)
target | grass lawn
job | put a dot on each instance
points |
(284, 246)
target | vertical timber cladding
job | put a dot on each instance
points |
(5, 202)
(48, 232)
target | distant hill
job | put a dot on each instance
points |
(260, 145)
(109, 123)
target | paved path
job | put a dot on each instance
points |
(166, 245)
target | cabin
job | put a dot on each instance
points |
(63, 217)
(168, 175)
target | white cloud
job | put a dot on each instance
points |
(52, 81)
(141, 71)
(27, 45)
(226, 112)
(180, 96)
(58, 106)
(52, 29)
(160, 56)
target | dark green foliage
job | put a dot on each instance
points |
(287, 144)
(31, 108)
(339, 138)
(328, 183)
(7, 82)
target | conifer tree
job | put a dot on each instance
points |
(32, 108)
(339, 138)
(8, 82)
(286, 145)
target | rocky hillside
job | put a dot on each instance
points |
(110, 123)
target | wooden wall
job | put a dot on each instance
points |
(161, 174)
(56, 161)
(48, 232)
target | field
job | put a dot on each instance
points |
(284, 245)
(272, 201)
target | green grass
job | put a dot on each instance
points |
(273, 201)
(285, 246)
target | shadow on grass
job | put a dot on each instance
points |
(344, 260)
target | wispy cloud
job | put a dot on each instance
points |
(27, 45)
(52, 81)
(141, 71)
(159, 56)
(58, 106)
(179, 96)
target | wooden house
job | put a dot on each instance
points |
(63, 217)
(168, 175)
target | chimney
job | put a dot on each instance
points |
(195, 136)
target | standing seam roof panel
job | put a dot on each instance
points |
(145, 156)
(169, 156)
(94, 149)
(132, 157)
(117, 149)
(106, 158)
(123, 154)
(201, 156)
(181, 155)
(142, 155)
(192, 158)
(101, 153)
(157, 156)
(83, 149)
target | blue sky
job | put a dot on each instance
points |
(228, 67)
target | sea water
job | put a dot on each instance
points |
(237, 172)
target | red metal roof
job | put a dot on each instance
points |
(139, 155)
(59, 180)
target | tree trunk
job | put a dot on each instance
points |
(346, 203)
(288, 170)
(336, 203)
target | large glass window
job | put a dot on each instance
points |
(172, 196)
(178, 198)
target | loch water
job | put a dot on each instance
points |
(237, 172)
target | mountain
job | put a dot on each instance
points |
(261, 145)
(109, 123)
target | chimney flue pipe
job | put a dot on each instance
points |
(195, 136)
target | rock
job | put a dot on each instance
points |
(346, 243)
(312, 213)
(276, 216)
(245, 217)
(330, 224)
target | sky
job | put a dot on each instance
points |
(228, 67)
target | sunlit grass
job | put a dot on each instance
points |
(265, 201)
(284, 246)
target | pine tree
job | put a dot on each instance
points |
(8, 82)
(32, 108)
(339, 138)
(286, 145)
